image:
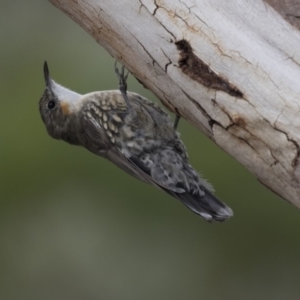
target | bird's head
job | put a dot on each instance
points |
(56, 105)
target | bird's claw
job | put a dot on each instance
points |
(122, 76)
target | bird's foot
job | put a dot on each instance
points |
(122, 83)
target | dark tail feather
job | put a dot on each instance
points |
(207, 206)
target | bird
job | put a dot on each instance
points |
(133, 133)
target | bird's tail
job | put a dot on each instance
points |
(197, 196)
(207, 205)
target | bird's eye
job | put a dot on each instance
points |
(51, 104)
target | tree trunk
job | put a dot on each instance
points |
(231, 68)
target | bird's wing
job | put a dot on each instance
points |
(98, 142)
(127, 165)
(95, 139)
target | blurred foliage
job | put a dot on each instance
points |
(73, 226)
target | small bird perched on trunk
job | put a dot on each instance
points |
(133, 133)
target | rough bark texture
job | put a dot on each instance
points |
(231, 68)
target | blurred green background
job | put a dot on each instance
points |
(73, 226)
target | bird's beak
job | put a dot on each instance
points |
(48, 80)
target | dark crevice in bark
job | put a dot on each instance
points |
(198, 70)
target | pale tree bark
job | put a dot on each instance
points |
(231, 68)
